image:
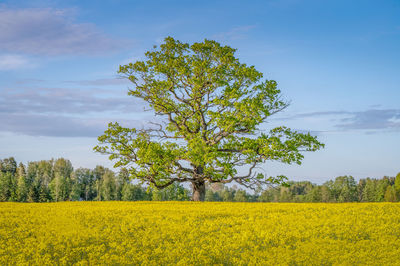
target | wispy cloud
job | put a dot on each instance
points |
(50, 125)
(56, 125)
(235, 33)
(100, 82)
(315, 114)
(63, 112)
(387, 119)
(65, 101)
(11, 62)
(371, 119)
(48, 31)
(29, 81)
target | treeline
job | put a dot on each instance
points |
(56, 180)
(342, 189)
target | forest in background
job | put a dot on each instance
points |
(56, 180)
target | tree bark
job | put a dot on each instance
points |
(199, 190)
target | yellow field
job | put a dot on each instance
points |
(159, 233)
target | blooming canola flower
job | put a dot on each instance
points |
(192, 233)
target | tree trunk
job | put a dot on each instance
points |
(199, 191)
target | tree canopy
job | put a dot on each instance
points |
(211, 110)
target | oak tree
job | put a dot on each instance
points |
(211, 110)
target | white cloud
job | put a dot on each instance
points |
(48, 31)
(11, 62)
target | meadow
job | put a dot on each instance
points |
(190, 233)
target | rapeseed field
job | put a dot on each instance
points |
(190, 233)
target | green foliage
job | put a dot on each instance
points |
(172, 192)
(397, 185)
(228, 194)
(213, 107)
(8, 165)
(345, 188)
(315, 195)
(131, 192)
(22, 184)
(85, 178)
(76, 192)
(240, 196)
(7, 186)
(390, 194)
(22, 189)
(369, 192)
(269, 195)
(108, 186)
(210, 196)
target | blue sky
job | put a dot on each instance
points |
(337, 62)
